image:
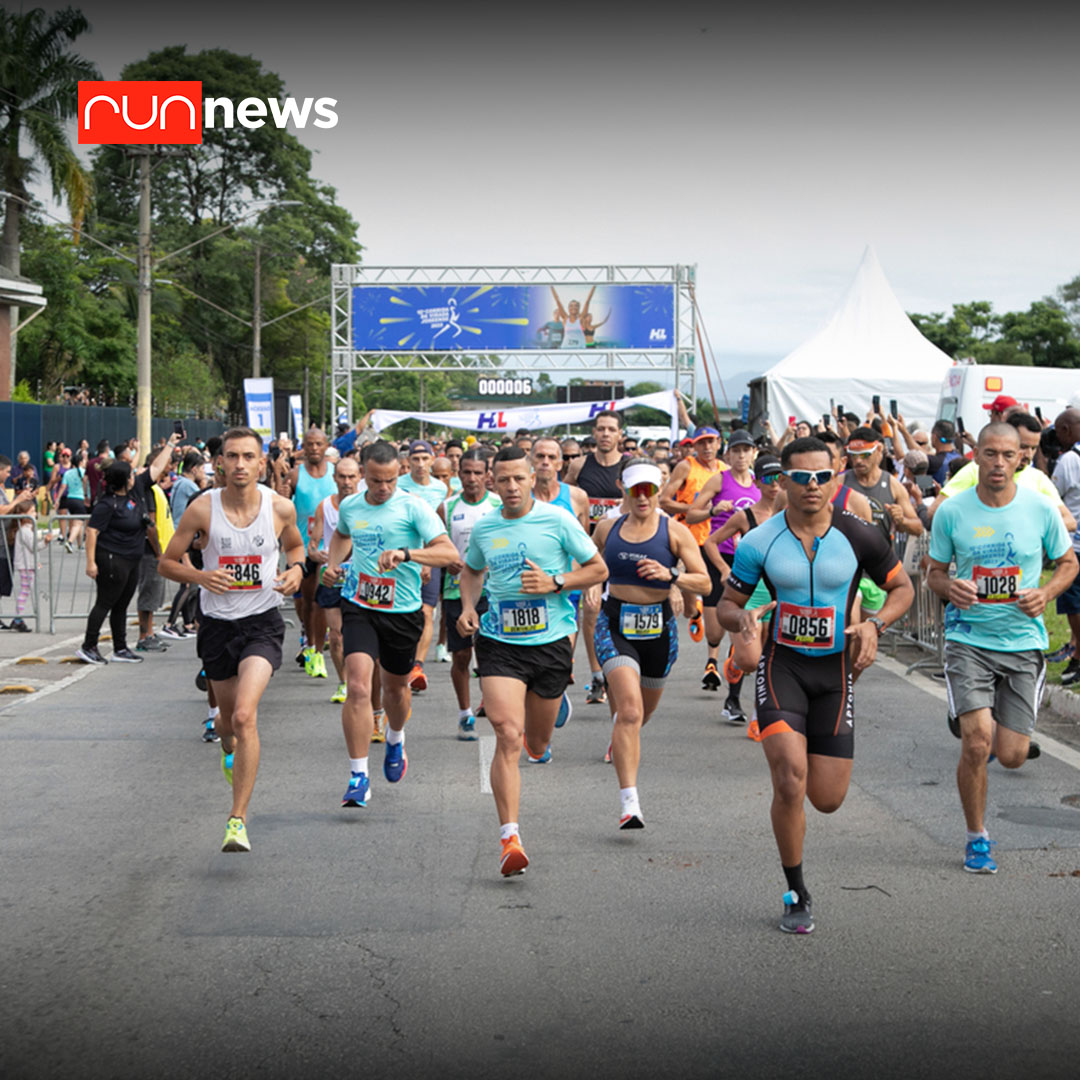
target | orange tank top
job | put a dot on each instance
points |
(695, 480)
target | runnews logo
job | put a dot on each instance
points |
(175, 113)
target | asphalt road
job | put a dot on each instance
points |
(383, 941)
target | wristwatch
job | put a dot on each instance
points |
(674, 572)
(878, 623)
(560, 581)
(405, 556)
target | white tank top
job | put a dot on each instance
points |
(329, 521)
(250, 555)
(573, 335)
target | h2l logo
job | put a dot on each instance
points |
(133, 112)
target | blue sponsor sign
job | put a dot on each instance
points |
(479, 318)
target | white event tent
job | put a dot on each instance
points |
(868, 347)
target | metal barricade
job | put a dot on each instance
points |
(923, 625)
(20, 546)
(70, 592)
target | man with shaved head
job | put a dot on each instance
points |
(1067, 481)
(995, 672)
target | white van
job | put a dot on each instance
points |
(966, 388)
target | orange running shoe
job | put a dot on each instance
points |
(417, 678)
(697, 627)
(378, 733)
(513, 860)
(732, 674)
(753, 731)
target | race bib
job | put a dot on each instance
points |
(522, 618)
(375, 592)
(806, 627)
(641, 620)
(311, 525)
(599, 507)
(246, 570)
(996, 584)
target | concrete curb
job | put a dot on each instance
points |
(1063, 702)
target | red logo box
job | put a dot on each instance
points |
(140, 113)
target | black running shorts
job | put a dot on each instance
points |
(223, 643)
(544, 669)
(389, 637)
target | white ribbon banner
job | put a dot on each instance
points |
(532, 417)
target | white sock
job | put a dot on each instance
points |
(358, 764)
(982, 835)
(508, 830)
(394, 737)
(464, 713)
(212, 714)
(628, 796)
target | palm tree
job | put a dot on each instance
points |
(39, 83)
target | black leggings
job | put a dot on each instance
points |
(117, 581)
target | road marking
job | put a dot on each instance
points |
(41, 652)
(487, 753)
(1049, 746)
(52, 688)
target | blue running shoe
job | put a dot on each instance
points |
(543, 759)
(356, 794)
(977, 856)
(1066, 652)
(395, 762)
(566, 710)
(466, 729)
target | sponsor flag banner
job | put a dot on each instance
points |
(296, 407)
(259, 402)
(532, 417)
(477, 318)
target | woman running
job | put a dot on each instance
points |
(636, 632)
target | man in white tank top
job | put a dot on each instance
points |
(242, 527)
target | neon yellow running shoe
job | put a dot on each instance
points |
(236, 837)
(226, 766)
(318, 666)
(340, 694)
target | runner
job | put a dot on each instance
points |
(636, 633)
(393, 535)
(460, 514)
(347, 478)
(810, 557)
(890, 505)
(720, 496)
(597, 474)
(310, 481)
(418, 481)
(688, 478)
(242, 527)
(995, 671)
(523, 648)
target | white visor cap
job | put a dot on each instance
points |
(642, 474)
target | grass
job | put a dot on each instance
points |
(1057, 626)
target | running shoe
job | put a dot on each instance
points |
(236, 837)
(168, 631)
(417, 678)
(480, 709)
(977, 856)
(356, 794)
(309, 656)
(1034, 750)
(753, 731)
(732, 711)
(200, 681)
(125, 656)
(302, 655)
(90, 656)
(1071, 672)
(954, 724)
(607, 755)
(543, 759)
(19, 625)
(732, 674)
(797, 918)
(318, 666)
(395, 762)
(631, 821)
(466, 729)
(150, 644)
(339, 695)
(697, 626)
(566, 710)
(378, 731)
(711, 679)
(597, 691)
(68, 548)
(513, 859)
(209, 734)
(1066, 652)
(441, 655)
(226, 766)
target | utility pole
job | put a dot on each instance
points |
(143, 409)
(256, 319)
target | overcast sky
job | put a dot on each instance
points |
(768, 148)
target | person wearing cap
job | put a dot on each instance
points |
(420, 483)
(767, 470)
(889, 504)
(688, 477)
(1000, 406)
(636, 632)
(719, 498)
